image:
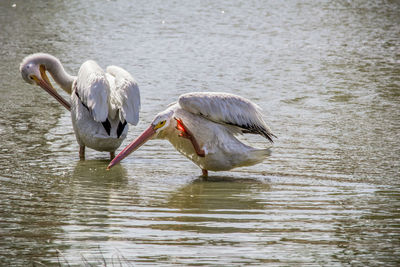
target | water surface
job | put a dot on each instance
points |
(327, 76)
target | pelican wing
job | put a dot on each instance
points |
(228, 109)
(125, 95)
(93, 90)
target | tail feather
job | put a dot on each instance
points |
(256, 156)
(261, 153)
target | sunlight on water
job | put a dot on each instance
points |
(326, 76)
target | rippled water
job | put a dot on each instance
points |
(327, 75)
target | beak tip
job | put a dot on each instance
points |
(132, 147)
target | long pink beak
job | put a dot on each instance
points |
(49, 89)
(138, 142)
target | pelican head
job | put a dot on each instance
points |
(160, 123)
(33, 70)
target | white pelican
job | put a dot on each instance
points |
(101, 102)
(202, 126)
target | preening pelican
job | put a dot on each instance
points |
(102, 103)
(202, 126)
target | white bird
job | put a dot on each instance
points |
(101, 102)
(202, 126)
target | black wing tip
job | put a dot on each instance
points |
(120, 129)
(269, 136)
(256, 129)
(107, 126)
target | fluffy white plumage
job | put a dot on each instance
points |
(108, 93)
(202, 126)
(125, 96)
(228, 109)
(93, 89)
(102, 103)
(102, 100)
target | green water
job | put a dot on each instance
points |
(327, 76)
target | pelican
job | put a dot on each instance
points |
(203, 127)
(101, 104)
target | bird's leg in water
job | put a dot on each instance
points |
(82, 152)
(112, 155)
(205, 173)
(185, 133)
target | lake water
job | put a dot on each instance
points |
(325, 73)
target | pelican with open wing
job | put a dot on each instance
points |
(203, 127)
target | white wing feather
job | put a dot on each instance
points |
(93, 89)
(228, 109)
(125, 95)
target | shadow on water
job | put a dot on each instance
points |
(230, 179)
(95, 171)
(218, 193)
(40, 216)
(91, 198)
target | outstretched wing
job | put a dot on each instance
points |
(228, 109)
(125, 95)
(93, 90)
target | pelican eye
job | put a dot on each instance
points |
(31, 77)
(160, 124)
